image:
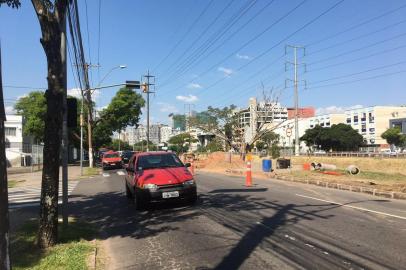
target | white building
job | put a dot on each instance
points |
(166, 134)
(266, 114)
(17, 145)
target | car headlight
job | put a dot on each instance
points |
(189, 182)
(152, 187)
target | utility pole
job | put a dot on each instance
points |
(296, 100)
(65, 142)
(189, 106)
(81, 134)
(4, 220)
(146, 89)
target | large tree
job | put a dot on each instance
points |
(33, 108)
(124, 110)
(217, 121)
(4, 220)
(340, 137)
(395, 137)
(180, 143)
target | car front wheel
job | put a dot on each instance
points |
(139, 205)
(128, 192)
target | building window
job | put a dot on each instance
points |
(355, 119)
(348, 120)
(371, 118)
(363, 128)
(328, 124)
(364, 117)
(10, 131)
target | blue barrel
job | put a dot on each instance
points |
(266, 165)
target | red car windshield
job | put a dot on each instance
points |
(111, 156)
(159, 161)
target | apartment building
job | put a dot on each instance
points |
(399, 123)
(371, 122)
(260, 113)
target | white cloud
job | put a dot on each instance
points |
(227, 71)
(75, 92)
(189, 98)
(22, 96)
(9, 110)
(335, 109)
(243, 57)
(166, 107)
(194, 86)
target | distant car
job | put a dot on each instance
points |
(158, 176)
(388, 152)
(319, 152)
(111, 160)
(126, 156)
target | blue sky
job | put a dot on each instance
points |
(352, 59)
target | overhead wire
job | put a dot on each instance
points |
(200, 51)
(186, 33)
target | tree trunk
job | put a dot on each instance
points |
(51, 22)
(4, 218)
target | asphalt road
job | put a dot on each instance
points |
(273, 225)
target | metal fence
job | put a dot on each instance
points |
(357, 154)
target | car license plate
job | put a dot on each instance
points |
(172, 194)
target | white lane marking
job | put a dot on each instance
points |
(354, 207)
(120, 173)
(106, 175)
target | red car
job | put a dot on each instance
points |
(158, 176)
(111, 159)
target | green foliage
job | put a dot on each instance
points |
(11, 3)
(260, 145)
(214, 145)
(180, 143)
(395, 137)
(218, 121)
(179, 121)
(142, 146)
(33, 108)
(70, 253)
(340, 137)
(117, 145)
(124, 110)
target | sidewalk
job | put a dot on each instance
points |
(33, 179)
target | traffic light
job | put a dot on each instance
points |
(144, 88)
(132, 84)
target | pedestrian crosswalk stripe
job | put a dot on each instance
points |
(120, 173)
(28, 196)
(106, 175)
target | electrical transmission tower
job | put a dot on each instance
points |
(295, 80)
(148, 80)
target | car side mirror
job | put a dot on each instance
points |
(188, 165)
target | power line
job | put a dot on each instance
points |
(201, 34)
(24, 87)
(358, 37)
(357, 25)
(184, 36)
(255, 38)
(290, 35)
(98, 42)
(358, 49)
(88, 41)
(358, 59)
(199, 52)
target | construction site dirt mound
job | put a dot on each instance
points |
(219, 161)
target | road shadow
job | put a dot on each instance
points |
(258, 221)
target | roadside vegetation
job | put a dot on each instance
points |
(87, 171)
(72, 251)
(11, 183)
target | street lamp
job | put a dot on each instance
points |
(110, 71)
(81, 115)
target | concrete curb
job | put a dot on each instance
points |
(367, 190)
